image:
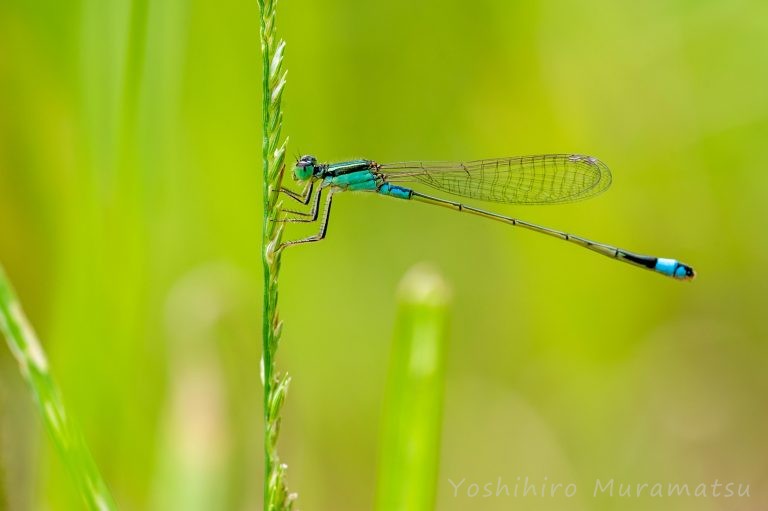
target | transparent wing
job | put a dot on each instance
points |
(540, 179)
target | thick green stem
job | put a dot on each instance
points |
(276, 497)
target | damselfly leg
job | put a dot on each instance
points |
(323, 223)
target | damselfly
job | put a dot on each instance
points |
(541, 179)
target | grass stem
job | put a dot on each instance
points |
(276, 497)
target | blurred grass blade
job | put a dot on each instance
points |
(410, 440)
(34, 368)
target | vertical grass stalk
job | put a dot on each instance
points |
(413, 404)
(276, 497)
(68, 438)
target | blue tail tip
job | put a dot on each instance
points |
(675, 269)
(685, 272)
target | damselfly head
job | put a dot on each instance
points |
(305, 168)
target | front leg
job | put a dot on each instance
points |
(323, 225)
(303, 196)
(312, 212)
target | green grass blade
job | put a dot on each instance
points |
(410, 441)
(69, 441)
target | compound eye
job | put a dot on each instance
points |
(304, 169)
(308, 159)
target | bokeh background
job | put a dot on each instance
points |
(130, 222)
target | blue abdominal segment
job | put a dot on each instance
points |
(673, 268)
(395, 191)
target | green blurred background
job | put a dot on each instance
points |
(130, 223)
